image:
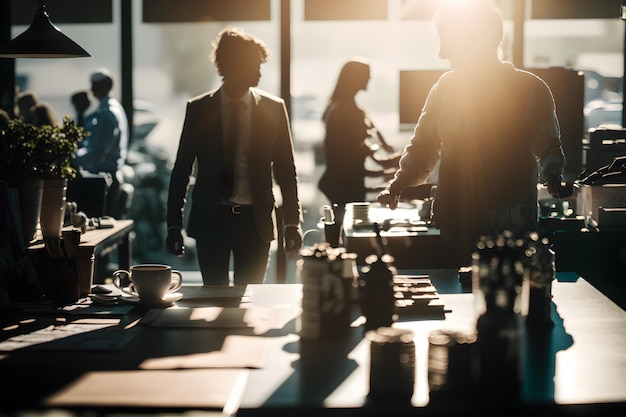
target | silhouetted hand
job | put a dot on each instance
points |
(387, 147)
(387, 199)
(293, 239)
(174, 242)
(558, 188)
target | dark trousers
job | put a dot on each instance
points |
(234, 232)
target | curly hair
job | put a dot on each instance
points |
(234, 45)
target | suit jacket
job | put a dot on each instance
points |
(270, 160)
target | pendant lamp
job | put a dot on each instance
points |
(42, 40)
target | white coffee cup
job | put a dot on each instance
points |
(149, 281)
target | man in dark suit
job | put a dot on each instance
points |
(239, 139)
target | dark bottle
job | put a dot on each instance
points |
(392, 364)
(541, 272)
(375, 284)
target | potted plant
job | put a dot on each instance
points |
(18, 143)
(17, 147)
(31, 155)
(56, 147)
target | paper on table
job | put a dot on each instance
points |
(204, 388)
(237, 352)
(200, 292)
(261, 319)
(97, 310)
(55, 337)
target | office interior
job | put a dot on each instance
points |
(159, 52)
(577, 49)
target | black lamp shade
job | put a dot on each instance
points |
(42, 40)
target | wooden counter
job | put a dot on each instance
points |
(94, 244)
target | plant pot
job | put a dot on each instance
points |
(53, 204)
(29, 196)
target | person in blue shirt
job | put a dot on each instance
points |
(104, 148)
(106, 143)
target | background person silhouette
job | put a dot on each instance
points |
(81, 102)
(31, 110)
(350, 139)
(105, 146)
(492, 127)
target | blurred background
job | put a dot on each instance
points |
(170, 44)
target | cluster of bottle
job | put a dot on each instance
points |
(512, 286)
(513, 276)
(327, 275)
(330, 281)
(392, 350)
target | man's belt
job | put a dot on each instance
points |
(236, 208)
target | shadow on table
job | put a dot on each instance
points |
(542, 345)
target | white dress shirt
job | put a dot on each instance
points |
(242, 194)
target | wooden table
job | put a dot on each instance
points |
(580, 366)
(99, 242)
(94, 244)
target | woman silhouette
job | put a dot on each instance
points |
(348, 143)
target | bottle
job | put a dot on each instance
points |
(311, 269)
(392, 364)
(375, 283)
(331, 227)
(350, 273)
(450, 365)
(541, 272)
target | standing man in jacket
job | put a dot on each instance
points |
(239, 139)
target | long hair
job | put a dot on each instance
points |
(351, 78)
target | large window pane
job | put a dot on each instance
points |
(595, 46)
(171, 64)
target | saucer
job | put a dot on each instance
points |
(167, 299)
